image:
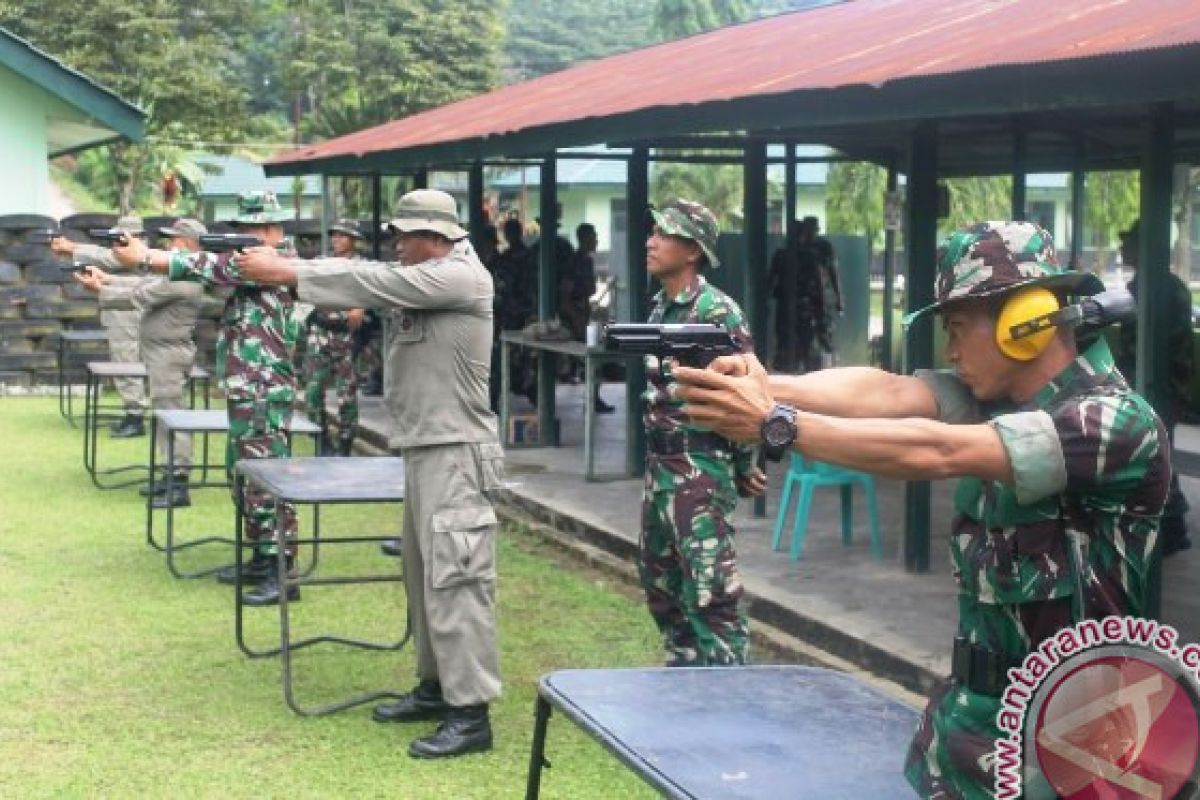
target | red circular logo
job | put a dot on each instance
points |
(1117, 727)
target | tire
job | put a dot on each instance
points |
(83, 222)
(25, 222)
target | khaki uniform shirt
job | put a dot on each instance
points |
(168, 309)
(440, 348)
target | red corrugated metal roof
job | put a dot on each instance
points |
(862, 42)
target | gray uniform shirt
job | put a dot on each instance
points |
(93, 255)
(439, 354)
(169, 309)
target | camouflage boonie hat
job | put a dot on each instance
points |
(346, 226)
(991, 258)
(691, 221)
(186, 228)
(259, 208)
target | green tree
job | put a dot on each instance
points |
(674, 19)
(854, 198)
(717, 186)
(170, 56)
(1111, 201)
(549, 35)
(977, 200)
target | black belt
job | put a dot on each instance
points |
(979, 668)
(674, 443)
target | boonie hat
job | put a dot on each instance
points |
(691, 221)
(991, 258)
(259, 208)
(428, 210)
(186, 227)
(348, 227)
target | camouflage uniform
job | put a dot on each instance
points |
(254, 361)
(329, 358)
(1072, 538)
(687, 563)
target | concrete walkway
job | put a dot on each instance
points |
(870, 612)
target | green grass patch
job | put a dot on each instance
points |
(120, 681)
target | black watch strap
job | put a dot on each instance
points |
(778, 431)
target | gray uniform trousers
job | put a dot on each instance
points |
(449, 559)
(167, 368)
(122, 329)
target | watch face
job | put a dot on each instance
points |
(778, 432)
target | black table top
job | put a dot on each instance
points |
(132, 369)
(328, 480)
(84, 336)
(744, 732)
(204, 420)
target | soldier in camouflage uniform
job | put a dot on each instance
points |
(1064, 473)
(254, 356)
(121, 325)
(1178, 313)
(687, 561)
(328, 356)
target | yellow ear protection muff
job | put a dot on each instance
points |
(1027, 321)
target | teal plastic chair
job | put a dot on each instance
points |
(810, 474)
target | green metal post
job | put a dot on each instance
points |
(547, 295)
(1020, 164)
(1154, 266)
(475, 218)
(1078, 186)
(918, 291)
(420, 179)
(789, 188)
(889, 282)
(637, 198)
(754, 275)
(376, 216)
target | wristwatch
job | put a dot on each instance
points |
(778, 431)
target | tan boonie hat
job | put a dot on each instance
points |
(186, 228)
(991, 258)
(130, 223)
(428, 210)
(348, 227)
(691, 221)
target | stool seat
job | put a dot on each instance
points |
(811, 474)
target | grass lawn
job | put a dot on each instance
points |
(119, 681)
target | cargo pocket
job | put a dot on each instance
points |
(464, 547)
(491, 469)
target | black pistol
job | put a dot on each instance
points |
(228, 242)
(109, 236)
(691, 344)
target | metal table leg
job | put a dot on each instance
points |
(589, 418)
(505, 391)
(537, 751)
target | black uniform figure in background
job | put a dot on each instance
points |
(1178, 313)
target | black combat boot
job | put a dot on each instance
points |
(178, 497)
(254, 571)
(422, 703)
(269, 591)
(391, 547)
(466, 729)
(130, 427)
(345, 445)
(154, 488)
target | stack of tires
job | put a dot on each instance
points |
(38, 300)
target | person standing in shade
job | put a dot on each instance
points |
(439, 301)
(121, 325)
(168, 313)
(686, 562)
(255, 359)
(1177, 314)
(329, 354)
